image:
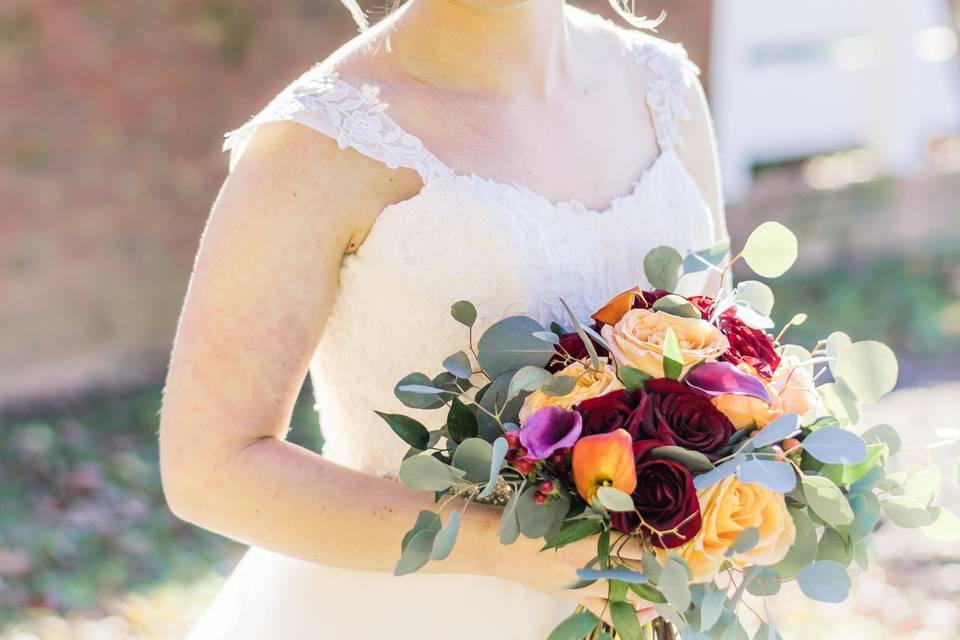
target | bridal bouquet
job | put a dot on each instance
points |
(724, 452)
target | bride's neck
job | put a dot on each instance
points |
(517, 46)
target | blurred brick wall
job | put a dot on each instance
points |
(110, 128)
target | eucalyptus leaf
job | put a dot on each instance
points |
(426, 473)
(835, 445)
(559, 386)
(746, 540)
(528, 379)
(840, 402)
(537, 520)
(945, 526)
(907, 512)
(461, 422)
(416, 554)
(446, 538)
(824, 581)
(719, 474)
(776, 475)
(662, 267)
(624, 575)
(709, 258)
(578, 327)
(498, 453)
(677, 306)
(509, 523)
(672, 356)
(417, 400)
(735, 631)
(868, 368)
(547, 336)
(710, 609)
(614, 499)
(474, 456)
(577, 627)
(625, 621)
(804, 548)
(866, 513)
(833, 546)
(777, 431)
(410, 431)
(757, 295)
(674, 584)
(509, 345)
(692, 460)
(770, 250)
(464, 312)
(924, 485)
(847, 474)
(886, 434)
(826, 500)
(426, 520)
(765, 582)
(632, 378)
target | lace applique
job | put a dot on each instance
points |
(669, 74)
(354, 117)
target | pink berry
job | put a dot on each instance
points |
(540, 499)
(546, 487)
(524, 466)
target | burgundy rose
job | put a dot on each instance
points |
(749, 345)
(672, 412)
(606, 413)
(665, 499)
(571, 346)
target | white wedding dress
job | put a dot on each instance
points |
(508, 250)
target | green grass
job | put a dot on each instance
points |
(82, 515)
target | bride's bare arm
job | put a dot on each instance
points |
(263, 284)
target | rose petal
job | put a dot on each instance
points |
(549, 429)
(722, 378)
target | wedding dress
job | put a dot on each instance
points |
(509, 251)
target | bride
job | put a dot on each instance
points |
(507, 152)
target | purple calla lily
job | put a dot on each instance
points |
(550, 429)
(720, 378)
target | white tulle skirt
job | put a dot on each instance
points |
(274, 597)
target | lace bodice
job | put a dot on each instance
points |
(501, 246)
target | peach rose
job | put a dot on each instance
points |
(728, 508)
(796, 388)
(747, 411)
(590, 384)
(637, 339)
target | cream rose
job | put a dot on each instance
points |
(796, 388)
(637, 339)
(747, 411)
(728, 508)
(590, 384)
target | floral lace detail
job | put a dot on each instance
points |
(353, 117)
(669, 74)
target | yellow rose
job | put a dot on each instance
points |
(746, 411)
(796, 388)
(590, 384)
(728, 508)
(637, 339)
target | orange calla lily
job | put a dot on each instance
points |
(616, 307)
(604, 460)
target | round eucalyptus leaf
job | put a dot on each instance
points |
(735, 631)
(509, 345)
(945, 526)
(662, 267)
(473, 456)
(752, 318)
(764, 582)
(674, 585)
(710, 609)
(756, 294)
(677, 306)
(509, 523)
(826, 500)
(559, 385)
(624, 575)
(866, 513)
(824, 581)
(835, 445)
(747, 540)
(426, 473)
(708, 258)
(464, 312)
(836, 342)
(924, 485)
(833, 546)
(884, 433)
(802, 356)
(458, 364)
(776, 475)
(907, 512)
(770, 250)
(413, 399)
(614, 499)
(869, 369)
(537, 520)
(840, 402)
(547, 336)
(804, 548)
(777, 431)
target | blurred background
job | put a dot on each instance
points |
(839, 119)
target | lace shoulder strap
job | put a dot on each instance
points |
(669, 73)
(354, 117)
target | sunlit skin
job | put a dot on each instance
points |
(479, 86)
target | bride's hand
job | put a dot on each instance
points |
(554, 571)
